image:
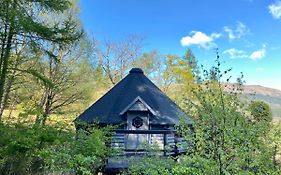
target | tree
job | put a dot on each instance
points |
(274, 140)
(15, 61)
(24, 23)
(191, 62)
(65, 83)
(260, 111)
(149, 62)
(116, 58)
(180, 75)
(224, 141)
(180, 68)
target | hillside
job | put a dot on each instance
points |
(268, 95)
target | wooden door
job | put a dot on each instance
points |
(137, 121)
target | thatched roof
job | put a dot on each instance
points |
(134, 92)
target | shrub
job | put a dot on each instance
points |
(30, 150)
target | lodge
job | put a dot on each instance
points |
(144, 116)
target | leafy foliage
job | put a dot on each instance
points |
(152, 166)
(225, 140)
(84, 155)
(29, 150)
(260, 111)
(224, 137)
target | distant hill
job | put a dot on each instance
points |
(252, 92)
(268, 95)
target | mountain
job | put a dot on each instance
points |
(268, 95)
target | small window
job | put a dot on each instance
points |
(137, 122)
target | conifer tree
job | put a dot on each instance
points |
(25, 22)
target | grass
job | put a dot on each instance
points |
(54, 119)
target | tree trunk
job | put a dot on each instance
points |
(274, 157)
(45, 105)
(4, 98)
(47, 109)
(5, 60)
(12, 106)
(41, 106)
(7, 90)
(4, 36)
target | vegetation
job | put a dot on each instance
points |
(51, 149)
(50, 72)
(260, 111)
(229, 137)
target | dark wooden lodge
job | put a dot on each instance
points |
(145, 116)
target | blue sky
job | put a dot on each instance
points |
(247, 32)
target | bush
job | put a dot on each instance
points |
(19, 144)
(225, 141)
(151, 166)
(85, 154)
(260, 111)
(30, 150)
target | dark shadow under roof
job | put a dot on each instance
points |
(107, 109)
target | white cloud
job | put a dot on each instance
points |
(230, 33)
(215, 35)
(241, 29)
(238, 32)
(275, 9)
(200, 38)
(235, 53)
(255, 55)
(258, 54)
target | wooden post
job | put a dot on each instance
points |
(165, 143)
(176, 144)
